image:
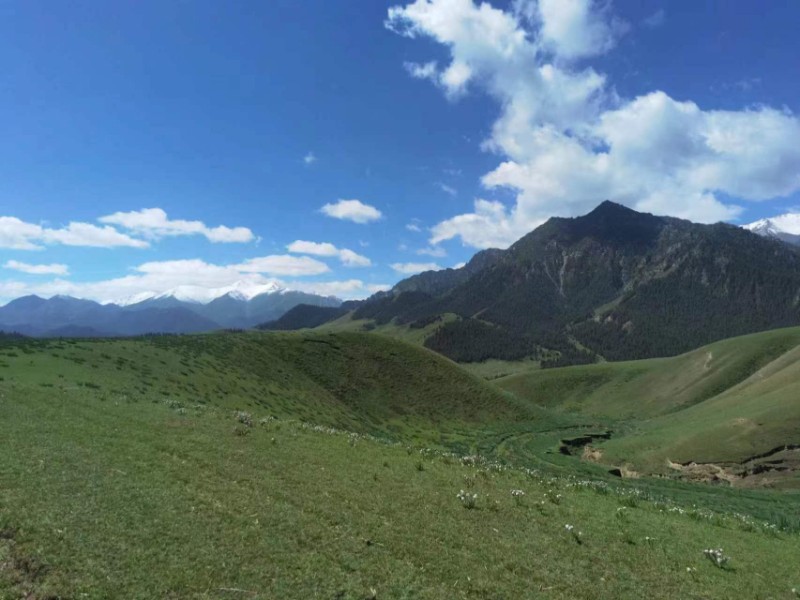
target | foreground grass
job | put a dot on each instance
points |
(102, 497)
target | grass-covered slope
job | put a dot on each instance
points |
(361, 382)
(106, 496)
(723, 403)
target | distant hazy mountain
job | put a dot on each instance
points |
(179, 311)
(614, 284)
(775, 228)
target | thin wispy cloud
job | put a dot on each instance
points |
(49, 269)
(412, 268)
(347, 257)
(447, 189)
(656, 19)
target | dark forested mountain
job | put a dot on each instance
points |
(615, 283)
(73, 317)
(304, 315)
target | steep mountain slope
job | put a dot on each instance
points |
(614, 283)
(304, 316)
(724, 403)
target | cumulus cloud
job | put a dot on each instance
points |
(574, 29)
(352, 210)
(51, 269)
(309, 158)
(566, 141)
(153, 223)
(347, 257)
(412, 268)
(20, 235)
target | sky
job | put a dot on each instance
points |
(338, 147)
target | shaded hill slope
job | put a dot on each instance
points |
(304, 316)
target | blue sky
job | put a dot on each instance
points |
(455, 126)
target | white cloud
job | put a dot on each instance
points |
(350, 289)
(490, 226)
(153, 223)
(413, 227)
(51, 269)
(435, 251)
(347, 257)
(352, 210)
(426, 71)
(283, 265)
(86, 234)
(460, 265)
(19, 235)
(309, 158)
(574, 29)
(413, 268)
(567, 141)
(353, 259)
(315, 248)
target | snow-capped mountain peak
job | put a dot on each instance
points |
(240, 290)
(784, 227)
(763, 227)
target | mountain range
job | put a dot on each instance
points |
(614, 284)
(177, 311)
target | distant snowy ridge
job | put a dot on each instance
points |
(241, 290)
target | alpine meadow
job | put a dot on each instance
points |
(400, 300)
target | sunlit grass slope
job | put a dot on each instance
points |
(105, 495)
(360, 382)
(724, 402)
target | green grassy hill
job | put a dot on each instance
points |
(724, 403)
(106, 498)
(156, 468)
(360, 382)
